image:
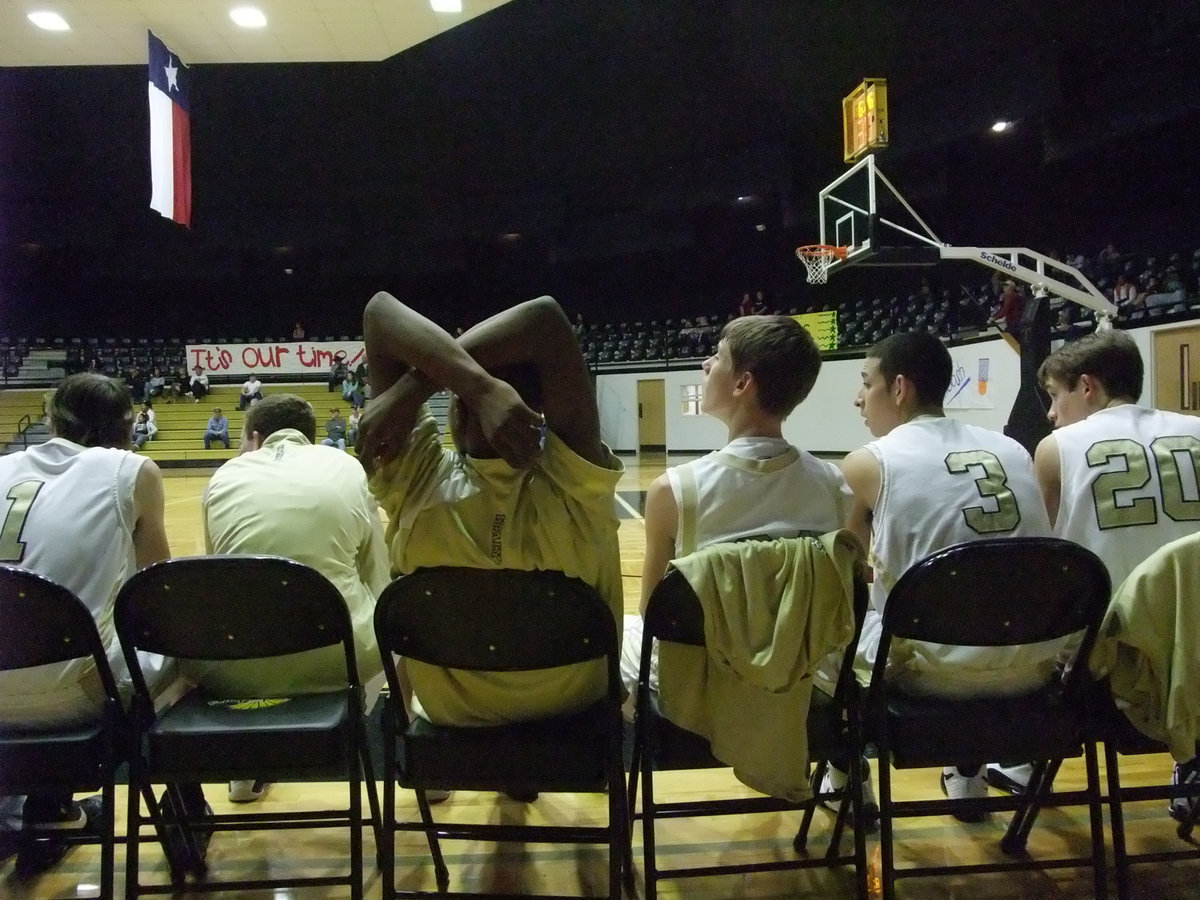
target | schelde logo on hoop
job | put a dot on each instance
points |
(997, 260)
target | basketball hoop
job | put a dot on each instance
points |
(817, 259)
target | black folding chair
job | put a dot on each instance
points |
(42, 623)
(231, 608)
(674, 614)
(500, 621)
(994, 593)
(1122, 739)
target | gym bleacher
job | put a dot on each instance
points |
(1167, 289)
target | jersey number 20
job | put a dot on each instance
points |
(1176, 459)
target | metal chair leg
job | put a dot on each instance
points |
(1099, 876)
(441, 873)
(887, 862)
(800, 841)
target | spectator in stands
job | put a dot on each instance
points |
(1062, 325)
(1125, 294)
(218, 429)
(335, 430)
(141, 431)
(337, 374)
(145, 425)
(1109, 258)
(251, 392)
(197, 384)
(352, 389)
(136, 382)
(1166, 291)
(524, 489)
(1012, 306)
(281, 495)
(178, 385)
(352, 426)
(298, 331)
(745, 305)
(155, 385)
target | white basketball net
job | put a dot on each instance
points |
(817, 261)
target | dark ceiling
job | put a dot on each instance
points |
(595, 149)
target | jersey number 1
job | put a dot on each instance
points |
(20, 497)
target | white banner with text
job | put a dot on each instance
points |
(284, 358)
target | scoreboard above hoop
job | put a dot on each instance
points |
(865, 119)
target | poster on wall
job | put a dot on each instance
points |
(969, 386)
(823, 326)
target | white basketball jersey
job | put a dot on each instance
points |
(68, 515)
(1130, 483)
(755, 486)
(943, 483)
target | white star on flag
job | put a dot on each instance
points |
(172, 74)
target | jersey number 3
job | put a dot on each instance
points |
(20, 500)
(992, 485)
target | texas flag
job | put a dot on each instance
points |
(170, 135)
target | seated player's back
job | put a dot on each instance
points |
(529, 486)
(752, 487)
(945, 482)
(311, 504)
(1129, 483)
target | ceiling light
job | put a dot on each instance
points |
(51, 21)
(446, 6)
(248, 17)
(1001, 125)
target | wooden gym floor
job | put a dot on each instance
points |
(563, 869)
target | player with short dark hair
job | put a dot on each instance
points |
(925, 483)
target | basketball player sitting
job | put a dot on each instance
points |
(1118, 478)
(911, 487)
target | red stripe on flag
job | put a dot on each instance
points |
(181, 134)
